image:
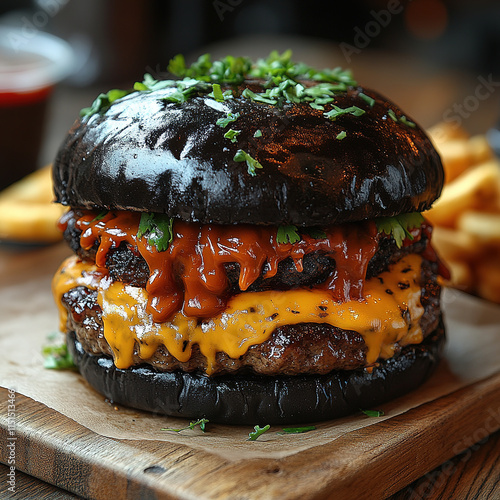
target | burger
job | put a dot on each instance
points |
(248, 244)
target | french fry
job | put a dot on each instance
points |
(454, 245)
(456, 158)
(34, 188)
(461, 275)
(483, 226)
(488, 277)
(475, 188)
(479, 149)
(460, 154)
(466, 218)
(27, 212)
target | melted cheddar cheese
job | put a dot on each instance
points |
(387, 316)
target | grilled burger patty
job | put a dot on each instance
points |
(125, 264)
(304, 348)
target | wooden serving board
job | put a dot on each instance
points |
(373, 461)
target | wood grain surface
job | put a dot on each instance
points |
(471, 475)
(373, 462)
(29, 487)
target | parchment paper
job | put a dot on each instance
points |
(29, 315)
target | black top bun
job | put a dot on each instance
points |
(146, 154)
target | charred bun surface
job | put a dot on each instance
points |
(146, 154)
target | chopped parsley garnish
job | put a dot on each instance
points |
(407, 122)
(317, 234)
(392, 115)
(149, 84)
(157, 228)
(282, 81)
(280, 73)
(402, 119)
(201, 423)
(103, 102)
(373, 413)
(287, 234)
(399, 226)
(232, 135)
(341, 135)
(231, 70)
(257, 432)
(369, 100)
(180, 90)
(184, 89)
(285, 89)
(258, 133)
(177, 65)
(231, 117)
(252, 163)
(280, 67)
(263, 97)
(218, 95)
(336, 112)
(297, 430)
(57, 357)
(290, 234)
(99, 216)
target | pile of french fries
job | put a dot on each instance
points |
(466, 217)
(27, 212)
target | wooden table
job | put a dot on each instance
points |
(474, 474)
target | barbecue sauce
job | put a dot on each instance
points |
(190, 276)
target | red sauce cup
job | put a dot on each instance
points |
(31, 64)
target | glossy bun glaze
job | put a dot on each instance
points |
(146, 154)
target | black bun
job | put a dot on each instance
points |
(148, 155)
(252, 399)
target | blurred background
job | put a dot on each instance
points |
(429, 56)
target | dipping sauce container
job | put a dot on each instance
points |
(31, 64)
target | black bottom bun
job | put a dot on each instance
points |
(252, 399)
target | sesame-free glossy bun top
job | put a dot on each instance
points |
(146, 154)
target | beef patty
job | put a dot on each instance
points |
(304, 348)
(125, 263)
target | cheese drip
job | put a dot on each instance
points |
(190, 275)
(388, 315)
